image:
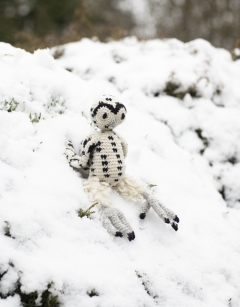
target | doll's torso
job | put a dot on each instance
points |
(107, 161)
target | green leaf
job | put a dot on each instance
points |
(88, 212)
(151, 185)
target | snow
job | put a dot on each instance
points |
(187, 144)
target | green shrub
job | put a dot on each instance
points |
(9, 106)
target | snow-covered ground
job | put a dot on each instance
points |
(183, 131)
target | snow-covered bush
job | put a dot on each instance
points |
(204, 116)
(183, 131)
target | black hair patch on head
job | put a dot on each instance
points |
(110, 107)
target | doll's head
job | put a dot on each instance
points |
(108, 112)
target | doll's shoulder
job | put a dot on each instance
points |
(119, 136)
(92, 138)
(89, 142)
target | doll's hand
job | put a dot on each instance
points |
(116, 224)
(164, 213)
(69, 150)
(73, 159)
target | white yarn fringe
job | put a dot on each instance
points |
(97, 191)
(131, 189)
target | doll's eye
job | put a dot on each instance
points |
(104, 116)
(123, 116)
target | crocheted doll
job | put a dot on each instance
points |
(102, 162)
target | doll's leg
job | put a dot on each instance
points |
(135, 190)
(113, 220)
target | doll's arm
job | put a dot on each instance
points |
(87, 147)
(81, 161)
(123, 143)
(73, 159)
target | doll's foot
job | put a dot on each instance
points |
(164, 213)
(131, 236)
(116, 224)
(118, 234)
(142, 216)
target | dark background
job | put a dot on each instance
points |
(32, 24)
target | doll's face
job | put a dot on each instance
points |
(108, 112)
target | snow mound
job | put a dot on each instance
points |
(183, 131)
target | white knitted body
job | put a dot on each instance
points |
(104, 155)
